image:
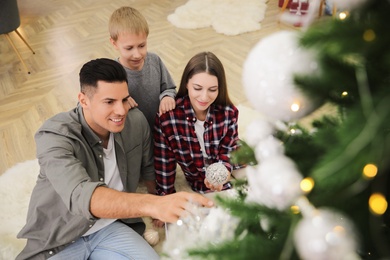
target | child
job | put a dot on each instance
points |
(150, 84)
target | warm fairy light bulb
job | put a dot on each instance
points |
(369, 35)
(295, 209)
(342, 15)
(295, 107)
(295, 131)
(339, 229)
(377, 203)
(307, 184)
(370, 171)
(344, 94)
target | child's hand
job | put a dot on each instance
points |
(167, 103)
(132, 102)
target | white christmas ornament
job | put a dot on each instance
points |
(258, 130)
(268, 147)
(325, 235)
(274, 182)
(268, 77)
(151, 236)
(217, 174)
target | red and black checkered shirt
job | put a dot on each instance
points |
(175, 141)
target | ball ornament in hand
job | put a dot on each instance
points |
(217, 174)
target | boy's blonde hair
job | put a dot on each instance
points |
(127, 20)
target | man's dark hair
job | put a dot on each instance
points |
(102, 69)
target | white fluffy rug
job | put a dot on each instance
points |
(16, 185)
(230, 17)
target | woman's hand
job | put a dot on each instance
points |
(215, 187)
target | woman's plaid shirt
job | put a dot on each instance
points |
(175, 141)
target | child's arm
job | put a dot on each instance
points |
(167, 103)
(132, 102)
(167, 90)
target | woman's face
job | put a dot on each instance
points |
(202, 91)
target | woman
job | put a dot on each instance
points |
(201, 130)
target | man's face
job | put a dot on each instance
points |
(106, 109)
(132, 49)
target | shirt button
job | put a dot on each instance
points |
(73, 242)
(101, 179)
(188, 118)
(50, 252)
(90, 225)
(100, 156)
(100, 142)
(194, 119)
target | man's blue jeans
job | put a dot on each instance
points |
(116, 241)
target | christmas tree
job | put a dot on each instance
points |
(317, 192)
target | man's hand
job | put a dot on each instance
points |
(110, 203)
(132, 102)
(170, 208)
(167, 103)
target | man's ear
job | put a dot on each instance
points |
(83, 99)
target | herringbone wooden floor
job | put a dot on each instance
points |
(67, 33)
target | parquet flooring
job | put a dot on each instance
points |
(67, 33)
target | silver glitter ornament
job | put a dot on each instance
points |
(217, 174)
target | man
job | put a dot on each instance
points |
(91, 160)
